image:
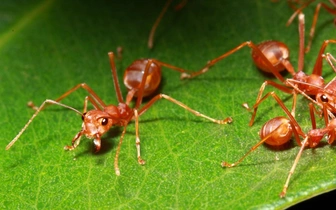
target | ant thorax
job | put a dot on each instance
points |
(309, 84)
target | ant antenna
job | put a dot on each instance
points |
(35, 114)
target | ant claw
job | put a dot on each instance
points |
(141, 161)
(227, 120)
(246, 106)
(283, 193)
(225, 164)
(185, 76)
(32, 105)
(68, 148)
(117, 171)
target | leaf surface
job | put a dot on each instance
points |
(47, 47)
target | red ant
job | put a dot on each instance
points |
(141, 78)
(159, 18)
(279, 130)
(329, 9)
(273, 57)
(325, 95)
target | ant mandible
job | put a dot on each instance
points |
(273, 57)
(279, 130)
(141, 78)
(159, 18)
(329, 9)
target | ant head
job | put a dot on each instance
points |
(96, 123)
(327, 100)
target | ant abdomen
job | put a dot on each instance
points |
(278, 130)
(276, 52)
(134, 73)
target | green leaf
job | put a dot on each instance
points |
(47, 47)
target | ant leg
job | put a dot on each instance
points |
(96, 106)
(312, 115)
(183, 71)
(115, 78)
(284, 190)
(229, 165)
(297, 11)
(293, 123)
(119, 53)
(294, 103)
(313, 137)
(32, 105)
(198, 114)
(142, 86)
(296, 127)
(291, 4)
(88, 89)
(330, 59)
(290, 116)
(75, 141)
(294, 84)
(249, 44)
(301, 41)
(318, 64)
(261, 90)
(181, 5)
(48, 101)
(304, 144)
(143, 81)
(316, 13)
(278, 129)
(137, 140)
(312, 29)
(156, 23)
(116, 159)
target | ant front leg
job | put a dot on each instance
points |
(116, 159)
(48, 101)
(137, 139)
(96, 101)
(76, 140)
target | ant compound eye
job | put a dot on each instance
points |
(83, 115)
(104, 121)
(324, 99)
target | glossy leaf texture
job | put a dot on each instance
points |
(47, 47)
